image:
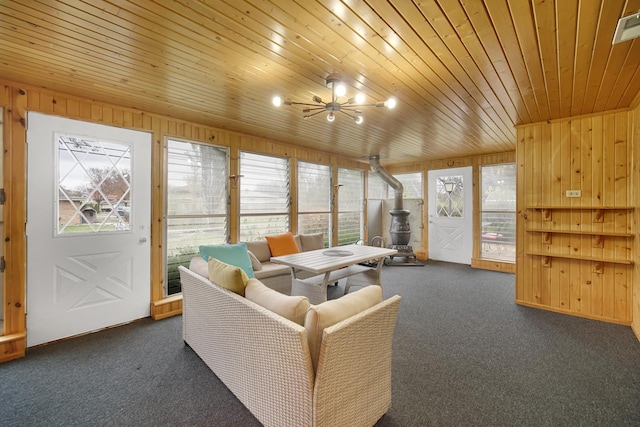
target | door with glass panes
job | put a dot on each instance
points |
(88, 210)
(451, 215)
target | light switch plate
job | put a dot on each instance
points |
(574, 193)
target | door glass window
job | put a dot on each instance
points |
(94, 185)
(450, 197)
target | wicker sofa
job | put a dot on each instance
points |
(267, 360)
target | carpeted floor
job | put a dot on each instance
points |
(464, 355)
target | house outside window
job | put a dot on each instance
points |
(264, 196)
(498, 212)
(314, 199)
(196, 203)
(350, 206)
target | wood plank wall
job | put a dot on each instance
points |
(17, 99)
(576, 255)
(635, 310)
(475, 162)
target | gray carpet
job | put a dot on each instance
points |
(464, 355)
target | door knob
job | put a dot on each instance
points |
(143, 239)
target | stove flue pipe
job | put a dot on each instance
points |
(397, 186)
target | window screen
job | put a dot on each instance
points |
(264, 196)
(196, 202)
(498, 212)
(350, 206)
(314, 199)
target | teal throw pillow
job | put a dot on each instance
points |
(231, 254)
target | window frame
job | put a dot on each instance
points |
(286, 214)
(168, 217)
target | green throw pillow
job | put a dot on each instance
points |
(235, 254)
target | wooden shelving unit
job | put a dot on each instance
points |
(598, 237)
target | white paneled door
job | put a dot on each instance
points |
(451, 215)
(88, 224)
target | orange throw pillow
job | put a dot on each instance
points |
(282, 244)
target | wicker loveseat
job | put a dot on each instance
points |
(266, 360)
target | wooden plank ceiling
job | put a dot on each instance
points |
(464, 72)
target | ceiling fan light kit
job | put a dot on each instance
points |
(351, 107)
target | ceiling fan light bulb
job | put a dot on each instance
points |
(317, 99)
(340, 89)
(277, 101)
(390, 103)
(359, 120)
(331, 117)
(360, 98)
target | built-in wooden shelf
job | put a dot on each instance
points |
(597, 211)
(624, 208)
(583, 233)
(582, 258)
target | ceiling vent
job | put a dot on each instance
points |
(628, 28)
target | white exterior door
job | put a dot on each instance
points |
(88, 224)
(451, 215)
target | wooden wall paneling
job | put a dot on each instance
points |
(580, 149)
(522, 215)
(635, 144)
(157, 213)
(622, 158)
(540, 287)
(557, 297)
(564, 285)
(13, 343)
(590, 154)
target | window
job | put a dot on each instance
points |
(498, 212)
(376, 187)
(314, 199)
(350, 206)
(411, 183)
(264, 196)
(196, 203)
(93, 185)
(450, 197)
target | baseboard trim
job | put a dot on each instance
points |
(493, 265)
(12, 346)
(166, 307)
(571, 313)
